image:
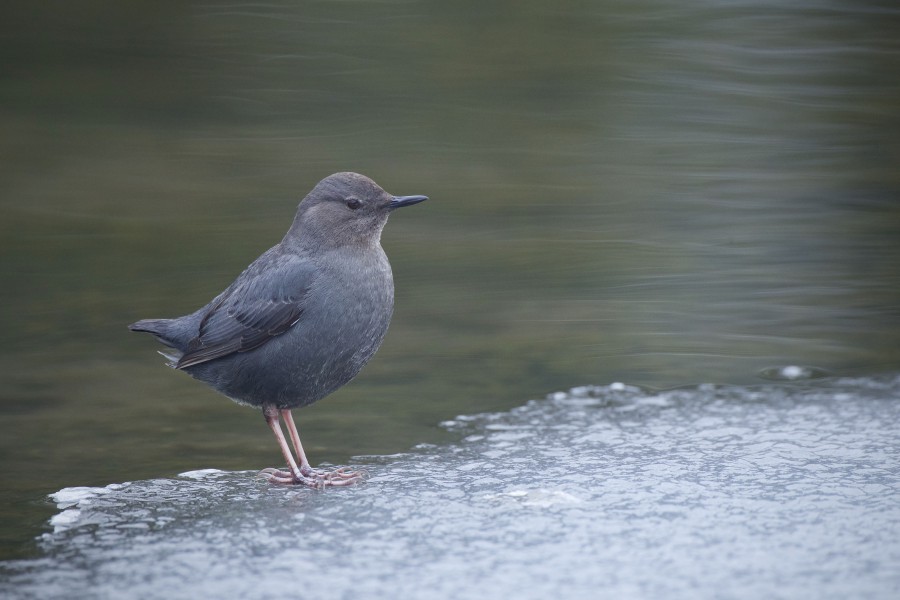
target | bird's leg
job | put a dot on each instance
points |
(295, 439)
(303, 474)
(341, 476)
(275, 475)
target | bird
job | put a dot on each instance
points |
(301, 320)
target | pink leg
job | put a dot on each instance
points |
(296, 475)
(295, 438)
(341, 476)
(304, 473)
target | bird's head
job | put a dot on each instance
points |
(345, 209)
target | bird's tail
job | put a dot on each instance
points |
(154, 326)
(160, 328)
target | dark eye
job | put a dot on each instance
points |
(353, 203)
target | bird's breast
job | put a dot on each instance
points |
(351, 305)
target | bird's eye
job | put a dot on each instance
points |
(353, 203)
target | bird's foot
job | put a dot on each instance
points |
(315, 478)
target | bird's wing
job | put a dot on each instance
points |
(264, 302)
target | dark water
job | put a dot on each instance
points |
(661, 193)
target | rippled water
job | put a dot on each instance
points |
(774, 491)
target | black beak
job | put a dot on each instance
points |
(401, 201)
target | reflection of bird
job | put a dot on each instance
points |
(302, 319)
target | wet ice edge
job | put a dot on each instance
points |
(711, 491)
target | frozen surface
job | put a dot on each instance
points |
(778, 491)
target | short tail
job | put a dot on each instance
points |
(160, 329)
(154, 326)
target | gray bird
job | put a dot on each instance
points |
(301, 320)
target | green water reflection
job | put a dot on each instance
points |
(660, 193)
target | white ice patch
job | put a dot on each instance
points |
(65, 520)
(200, 474)
(71, 496)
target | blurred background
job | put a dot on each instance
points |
(656, 192)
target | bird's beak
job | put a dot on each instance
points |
(401, 201)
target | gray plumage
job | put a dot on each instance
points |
(307, 315)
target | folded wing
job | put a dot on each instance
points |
(259, 306)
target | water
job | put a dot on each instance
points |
(653, 192)
(775, 491)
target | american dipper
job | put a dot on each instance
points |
(301, 320)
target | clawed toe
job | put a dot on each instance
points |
(302, 474)
(276, 476)
(315, 478)
(340, 477)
